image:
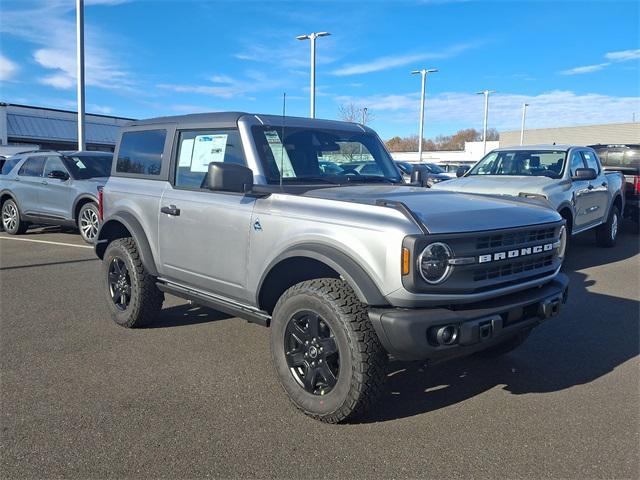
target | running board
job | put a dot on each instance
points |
(221, 304)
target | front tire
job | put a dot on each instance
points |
(11, 221)
(325, 351)
(89, 222)
(607, 234)
(131, 291)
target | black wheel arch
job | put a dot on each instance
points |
(123, 225)
(309, 261)
(567, 207)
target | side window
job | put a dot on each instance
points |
(52, 164)
(32, 167)
(196, 149)
(576, 162)
(141, 152)
(590, 158)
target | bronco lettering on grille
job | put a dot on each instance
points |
(521, 252)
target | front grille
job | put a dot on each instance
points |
(515, 238)
(512, 268)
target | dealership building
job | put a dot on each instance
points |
(610, 133)
(28, 127)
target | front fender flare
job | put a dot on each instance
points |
(137, 233)
(362, 284)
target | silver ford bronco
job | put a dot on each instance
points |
(306, 226)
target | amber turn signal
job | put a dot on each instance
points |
(405, 261)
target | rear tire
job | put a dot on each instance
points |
(11, 221)
(607, 233)
(89, 222)
(325, 351)
(131, 291)
(504, 347)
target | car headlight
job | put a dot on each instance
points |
(532, 195)
(433, 263)
(563, 242)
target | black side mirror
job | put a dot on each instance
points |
(229, 177)
(59, 174)
(584, 174)
(460, 171)
(419, 175)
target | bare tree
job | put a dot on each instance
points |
(349, 112)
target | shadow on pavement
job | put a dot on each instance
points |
(187, 314)
(47, 264)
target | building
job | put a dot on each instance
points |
(25, 126)
(473, 151)
(612, 133)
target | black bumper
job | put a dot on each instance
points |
(410, 334)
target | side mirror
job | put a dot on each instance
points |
(585, 174)
(419, 175)
(460, 171)
(229, 177)
(59, 174)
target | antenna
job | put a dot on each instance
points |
(284, 110)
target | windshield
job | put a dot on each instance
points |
(322, 155)
(545, 163)
(89, 166)
(619, 155)
(433, 168)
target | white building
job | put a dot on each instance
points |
(473, 151)
(612, 133)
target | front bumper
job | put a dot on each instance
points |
(408, 334)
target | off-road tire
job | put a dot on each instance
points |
(17, 226)
(362, 357)
(145, 300)
(504, 347)
(88, 213)
(607, 233)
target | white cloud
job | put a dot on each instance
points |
(548, 109)
(584, 69)
(623, 55)
(384, 63)
(224, 86)
(7, 68)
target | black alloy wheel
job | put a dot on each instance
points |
(119, 283)
(312, 353)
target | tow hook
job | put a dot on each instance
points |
(550, 307)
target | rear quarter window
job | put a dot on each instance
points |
(140, 152)
(9, 165)
(32, 167)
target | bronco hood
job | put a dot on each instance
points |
(448, 212)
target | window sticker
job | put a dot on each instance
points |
(207, 149)
(186, 152)
(279, 154)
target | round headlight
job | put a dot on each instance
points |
(433, 263)
(563, 242)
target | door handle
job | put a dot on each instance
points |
(604, 184)
(171, 210)
(44, 182)
(590, 187)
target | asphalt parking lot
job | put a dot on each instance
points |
(195, 396)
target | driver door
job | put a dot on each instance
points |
(583, 198)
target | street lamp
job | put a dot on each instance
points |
(80, 67)
(524, 114)
(486, 115)
(423, 73)
(312, 37)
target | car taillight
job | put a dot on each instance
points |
(100, 202)
(636, 184)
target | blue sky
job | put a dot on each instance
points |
(574, 62)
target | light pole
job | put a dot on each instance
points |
(364, 115)
(312, 37)
(524, 114)
(486, 116)
(80, 66)
(423, 73)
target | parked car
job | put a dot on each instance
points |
(53, 188)
(626, 160)
(569, 178)
(233, 211)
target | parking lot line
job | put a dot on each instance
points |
(45, 241)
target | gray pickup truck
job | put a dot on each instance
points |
(570, 178)
(235, 211)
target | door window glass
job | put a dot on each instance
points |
(590, 158)
(197, 149)
(576, 162)
(32, 167)
(141, 152)
(53, 164)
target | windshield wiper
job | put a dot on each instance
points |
(312, 178)
(369, 178)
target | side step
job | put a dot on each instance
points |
(221, 304)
